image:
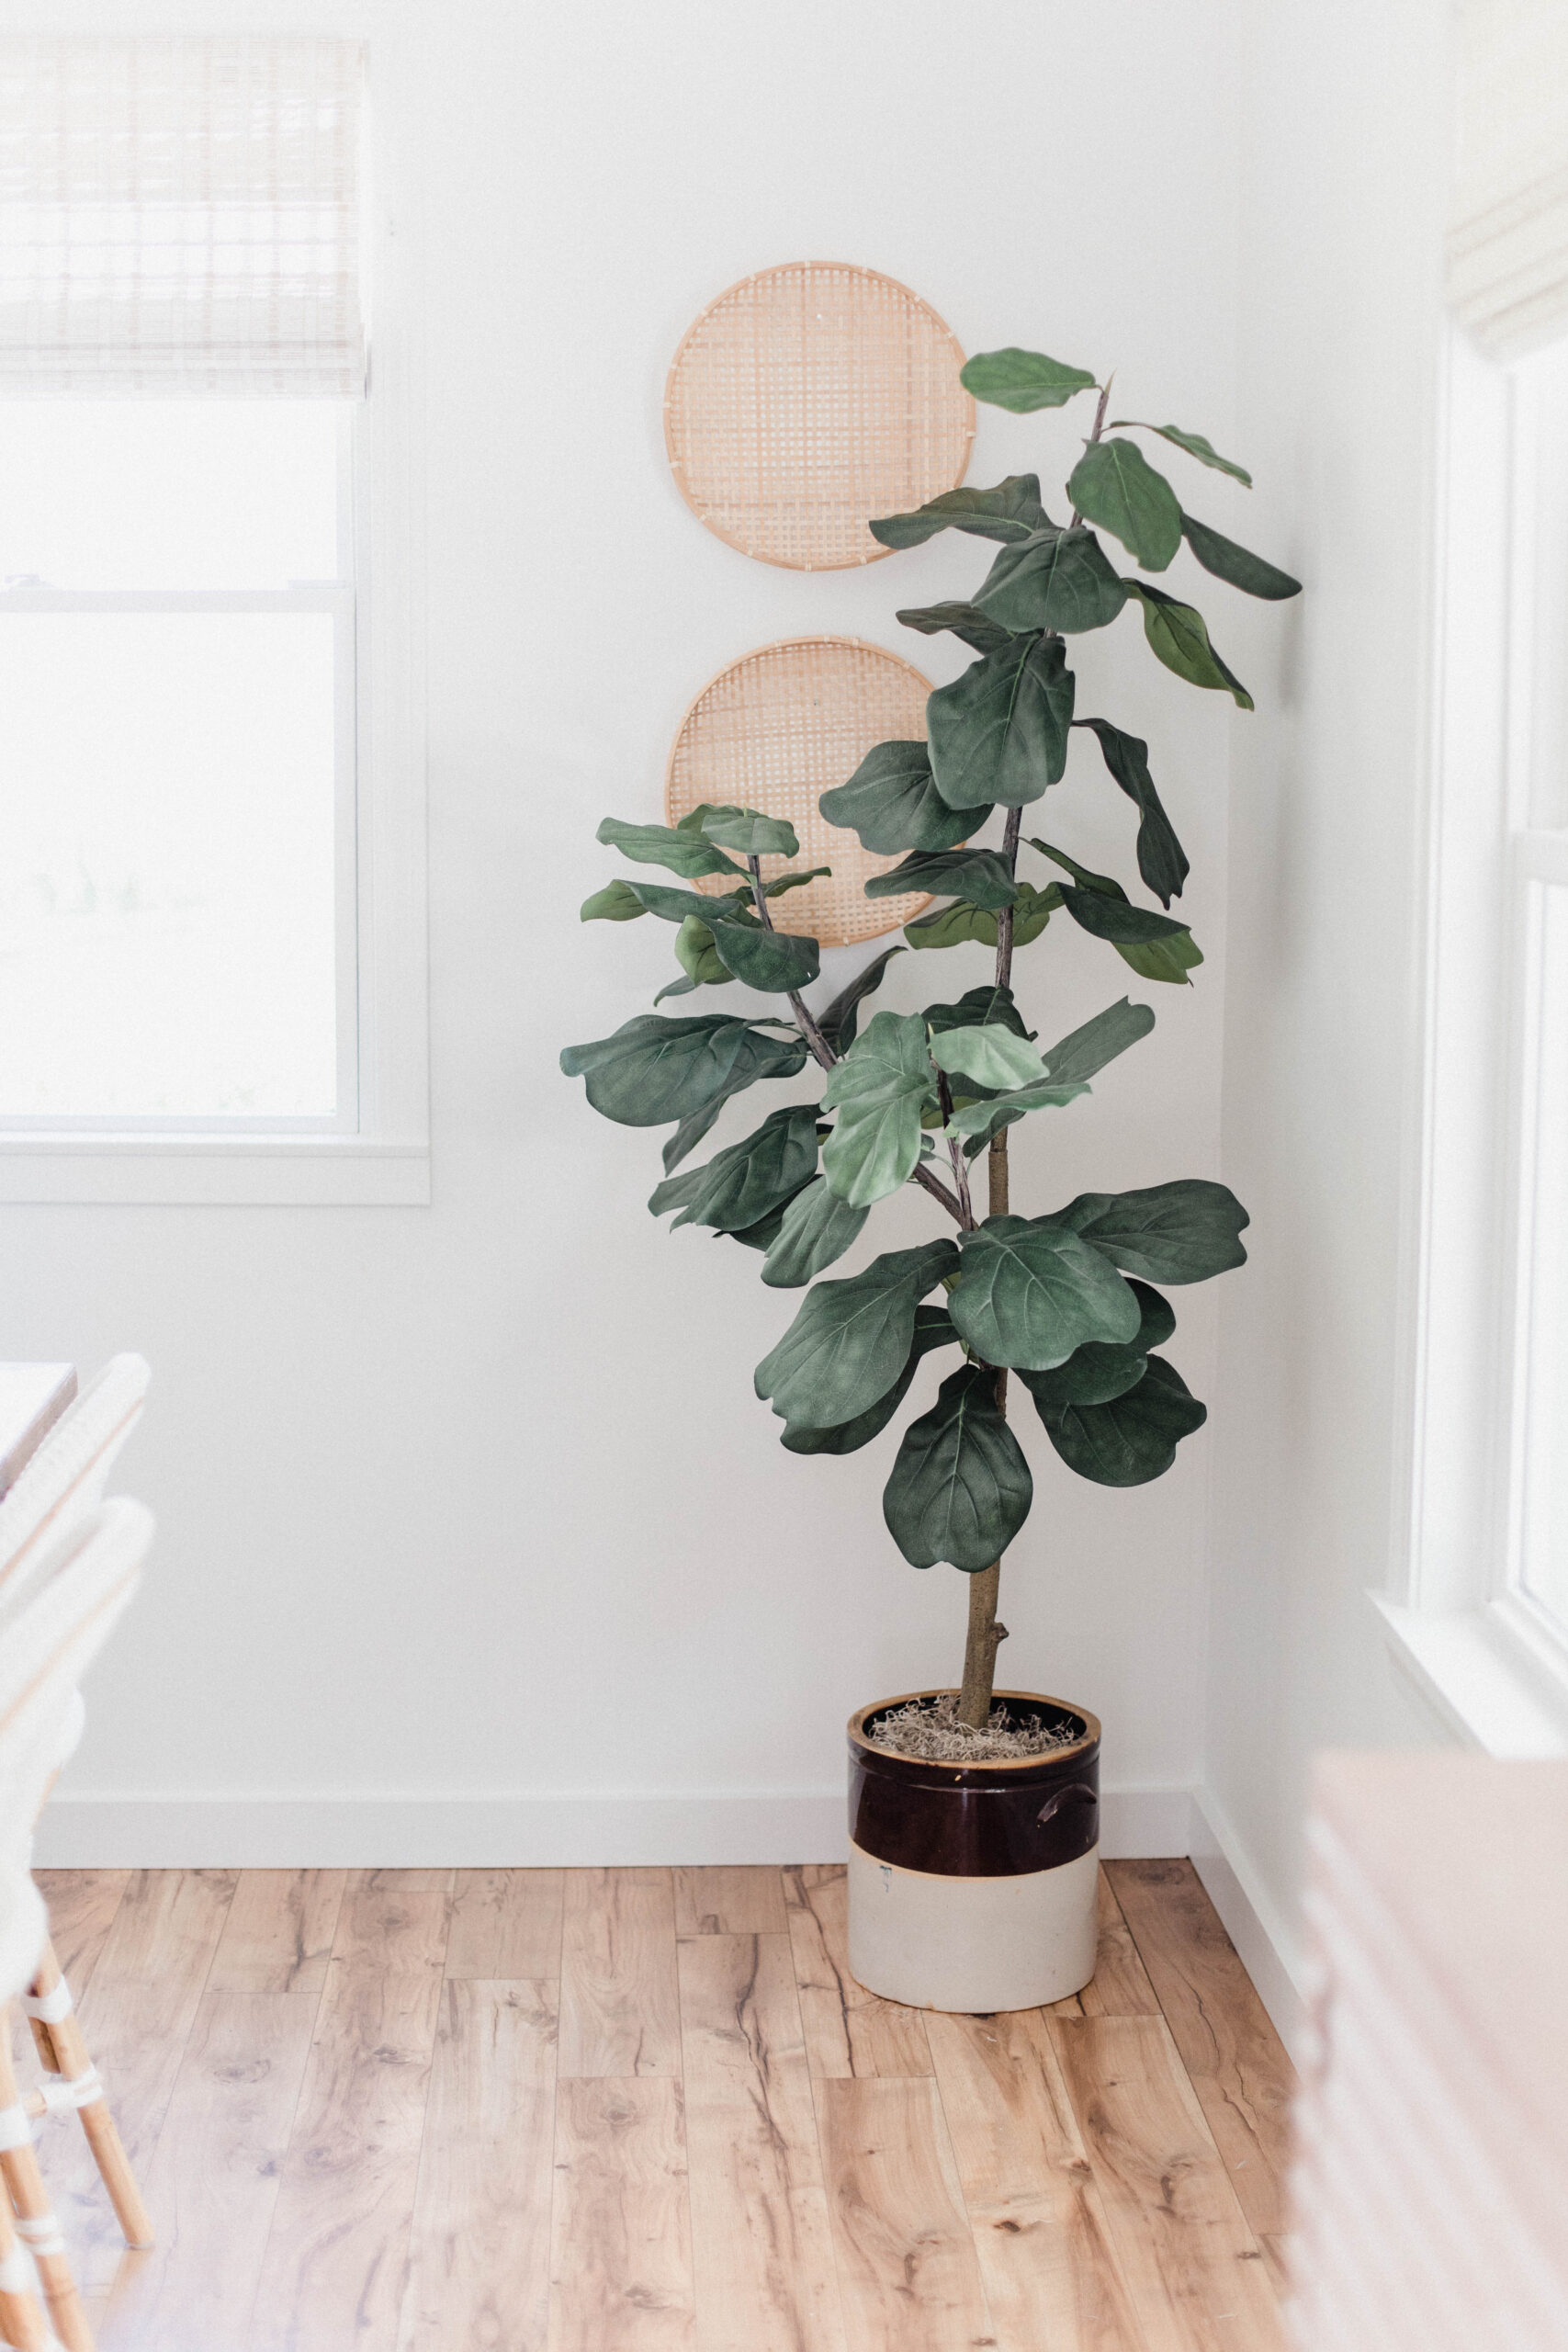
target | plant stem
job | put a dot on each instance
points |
(955, 1151)
(1099, 429)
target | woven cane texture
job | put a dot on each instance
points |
(805, 401)
(775, 730)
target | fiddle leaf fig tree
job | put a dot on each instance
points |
(1069, 1300)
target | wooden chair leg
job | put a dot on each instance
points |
(27, 2200)
(59, 2037)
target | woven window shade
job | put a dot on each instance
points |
(180, 216)
(775, 730)
(805, 401)
(1509, 239)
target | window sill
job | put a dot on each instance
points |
(1481, 1675)
(241, 1172)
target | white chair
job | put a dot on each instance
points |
(51, 1626)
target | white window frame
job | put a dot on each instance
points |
(377, 1150)
(1489, 1659)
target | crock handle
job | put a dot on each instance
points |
(1074, 1792)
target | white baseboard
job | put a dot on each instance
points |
(1268, 1949)
(521, 1832)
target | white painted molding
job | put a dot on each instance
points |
(1479, 1673)
(577, 1830)
(1269, 1948)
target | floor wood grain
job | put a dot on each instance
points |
(645, 2110)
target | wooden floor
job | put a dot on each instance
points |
(649, 2110)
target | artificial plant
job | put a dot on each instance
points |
(1066, 1300)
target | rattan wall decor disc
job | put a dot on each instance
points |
(775, 730)
(808, 398)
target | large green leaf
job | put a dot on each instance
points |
(1243, 570)
(818, 1228)
(1194, 442)
(975, 1008)
(999, 732)
(773, 961)
(677, 906)
(782, 883)
(749, 832)
(1170, 960)
(1030, 1292)
(990, 1054)
(978, 1122)
(879, 1089)
(749, 1179)
(1117, 919)
(892, 802)
(1162, 861)
(951, 926)
(933, 1328)
(979, 877)
(655, 1069)
(1113, 484)
(697, 955)
(617, 902)
(1022, 380)
(766, 1232)
(1011, 511)
(963, 620)
(682, 852)
(1132, 1438)
(841, 1020)
(1083, 1052)
(960, 1489)
(1058, 580)
(851, 1338)
(1182, 1232)
(689, 1134)
(1179, 634)
(1103, 1369)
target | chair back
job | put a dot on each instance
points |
(65, 1477)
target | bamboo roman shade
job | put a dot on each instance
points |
(180, 216)
(1508, 241)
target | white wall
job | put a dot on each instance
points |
(475, 1503)
(1338, 329)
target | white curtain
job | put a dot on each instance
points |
(1508, 242)
(180, 216)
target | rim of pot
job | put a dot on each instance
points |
(857, 1730)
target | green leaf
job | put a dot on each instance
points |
(818, 1228)
(1057, 580)
(684, 987)
(892, 802)
(617, 902)
(1011, 511)
(1170, 960)
(841, 1019)
(1227, 562)
(1084, 875)
(978, 877)
(950, 926)
(1030, 1291)
(990, 1054)
(689, 1134)
(1114, 484)
(851, 1338)
(697, 955)
(1182, 1232)
(978, 1122)
(1132, 1438)
(1180, 636)
(878, 1088)
(960, 1489)
(766, 1232)
(1194, 442)
(749, 1179)
(1103, 1369)
(963, 620)
(749, 832)
(933, 1328)
(773, 961)
(783, 882)
(682, 852)
(1116, 920)
(977, 1007)
(1085, 1052)
(654, 1070)
(1162, 861)
(999, 732)
(1022, 380)
(678, 906)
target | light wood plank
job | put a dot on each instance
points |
(506, 1924)
(620, 2010)
(621, 2268)
(212, 2182)
(137, 2016)
(1045, 2258)
(410, 1881)
(1194, 2269)
(908, 2270)
(480, 2254)
(715, 1901)
(336, 2257)
(81, 1906)
(1120, 1987)
(1237, 2062)
(848, 2030)
(760, 2243)
(278, 1933)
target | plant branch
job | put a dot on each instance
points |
(1004, 919)
(955, 1151)
(1099, 429)
(927, 1179)
(797, 1005)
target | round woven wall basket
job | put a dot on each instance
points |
(775, 730)
(808, 398)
